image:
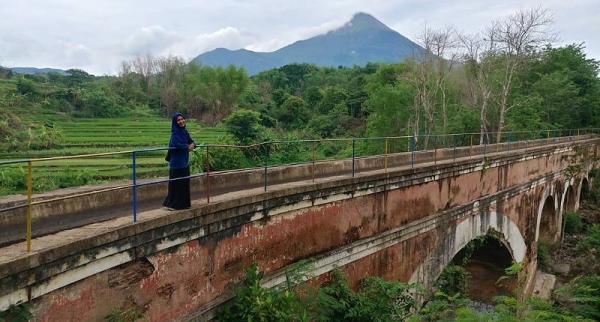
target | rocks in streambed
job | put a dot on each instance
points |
(544, 284)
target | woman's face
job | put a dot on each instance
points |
(180, 121)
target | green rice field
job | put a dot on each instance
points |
(88, 136)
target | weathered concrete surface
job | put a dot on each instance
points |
(75, 207)
(544, 284)
(405, 224)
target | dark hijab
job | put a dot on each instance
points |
(179, 135)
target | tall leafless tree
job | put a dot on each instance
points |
(169, 77)
(493, 59)
(145, 66)
(430, 76)
(516, 39)
(478, 70)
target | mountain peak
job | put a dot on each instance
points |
(361, 40)
(361, 21)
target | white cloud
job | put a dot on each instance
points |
(159, 41)
(78, 54)
(228, 37)
(150, 39)
(295, 35)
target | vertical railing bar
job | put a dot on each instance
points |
(453, 148)
(207, 166)
(386, 156)
(470, 146)
(313, 160)
(134, 186)
(412, 151)
(353, 156)
(266, 164)
(29, 206)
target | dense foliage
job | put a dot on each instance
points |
(380, 300)
(377, 300)
(556, 88)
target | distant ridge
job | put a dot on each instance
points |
(34, 71)
(361, 40)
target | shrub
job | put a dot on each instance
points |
(380, 300)
(377, 300)
(543, 254)
(573, 224)
(255, 303)
(593, 194)
(18, 313)
(26, 87)
(441, 307)
(453, 280)
(220, 158)
(581, 296)
(591, 241)
(244, 125)
(101, 102)
(14, 180)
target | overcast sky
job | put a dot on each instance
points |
(96, 35)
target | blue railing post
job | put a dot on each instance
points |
(134, 187)
(353, 156)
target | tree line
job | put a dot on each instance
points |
(507, 77)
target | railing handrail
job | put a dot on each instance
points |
(80, 156)
(413, 149)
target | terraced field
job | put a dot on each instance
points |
(87, 136)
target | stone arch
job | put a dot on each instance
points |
(547, 221)
(548, 195)
(568, 203)
(584, 189)
(569, 200)
(467, 230)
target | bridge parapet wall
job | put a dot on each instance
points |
(111, 201)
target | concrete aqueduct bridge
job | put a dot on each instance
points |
(405, 223)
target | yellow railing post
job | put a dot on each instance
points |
(29, 193)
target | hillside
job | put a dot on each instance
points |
(35, 71)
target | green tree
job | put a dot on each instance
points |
(210, 94)
(389, 109)
(26, 87)
(244, 125)
(292, 113)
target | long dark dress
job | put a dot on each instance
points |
(178, 196)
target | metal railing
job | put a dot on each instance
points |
(359, 148)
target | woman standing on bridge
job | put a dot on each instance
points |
(178, 156)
